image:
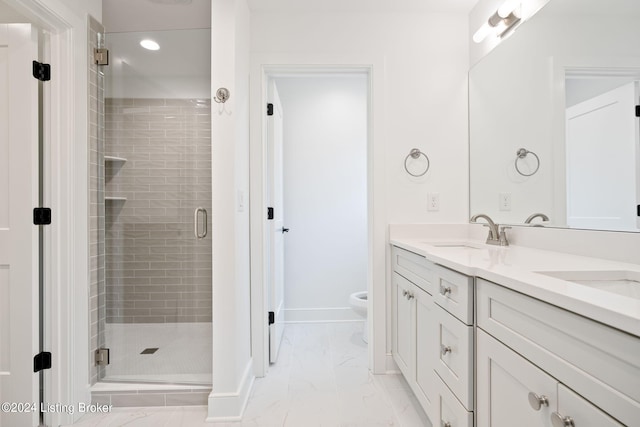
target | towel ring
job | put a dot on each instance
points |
(521, 154)
(414, 154)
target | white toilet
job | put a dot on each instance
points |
(358, 302)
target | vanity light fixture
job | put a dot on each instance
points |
(149, 44)
(500, 22)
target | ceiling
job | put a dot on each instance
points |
(120, 16)
(183, 53)
(9, 15)
(388, 6)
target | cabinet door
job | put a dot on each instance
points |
(404, 316)
(506, 384)
(581, 411)
(425, 344)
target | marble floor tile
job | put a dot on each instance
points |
(321, 379)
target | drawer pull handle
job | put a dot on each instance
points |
(445, 290)
(446, 424)
(445, 349)
(404, 293)
(537, 402)
(410, 296)
(559, 421)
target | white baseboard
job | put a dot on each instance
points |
(227, 407)
(321, 314)
(391, 366)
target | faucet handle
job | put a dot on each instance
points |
(503, 235)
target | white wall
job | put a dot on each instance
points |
(426, 64)
(325, 194)
(419, 64)
(232, 371)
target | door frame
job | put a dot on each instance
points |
(66, 193)
(263, 67)
(561, 68)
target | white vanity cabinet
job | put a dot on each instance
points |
(414, 338)
(580, 371)
(513, 391)
(432, 343)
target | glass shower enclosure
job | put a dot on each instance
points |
(154, 316)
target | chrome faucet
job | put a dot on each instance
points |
(536, 215)
(494, 236)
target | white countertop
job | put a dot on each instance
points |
(516, 267)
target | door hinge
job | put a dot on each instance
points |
(42, 361)
(272, 317)
(269, 109)
(101, 56)
(41, 216)
(102, 357)
(637, 110)
(41, 71)
(638, 207)
(269, 213)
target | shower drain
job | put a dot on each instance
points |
(149, 350)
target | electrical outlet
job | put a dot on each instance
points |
(504, 201)
(433, 202)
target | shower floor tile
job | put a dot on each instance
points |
(183, 354)
(321, 379)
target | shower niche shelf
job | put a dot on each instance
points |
(114, 159)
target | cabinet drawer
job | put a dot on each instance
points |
(413, 267)
(598, 362)
(448, 411)
(454, 355)
(581, 411)
(454, 293)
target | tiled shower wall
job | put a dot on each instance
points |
(96, 201)
(156, 269)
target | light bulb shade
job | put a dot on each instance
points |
(482, 33)
(507, 7)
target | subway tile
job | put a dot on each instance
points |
(135, 400)
(186, 399)
(164, 172)
(146, 102)
(150, 304)
(151, 258)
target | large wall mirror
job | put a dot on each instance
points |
(553, 126)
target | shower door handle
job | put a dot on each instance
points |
(196, 223)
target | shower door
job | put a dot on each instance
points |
(155, 322)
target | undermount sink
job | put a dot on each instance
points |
(459, 245)
(626, 283)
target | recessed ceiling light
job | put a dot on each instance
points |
(149, 44)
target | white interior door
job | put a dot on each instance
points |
(276, 226)
(602, 145)
(18, 235)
